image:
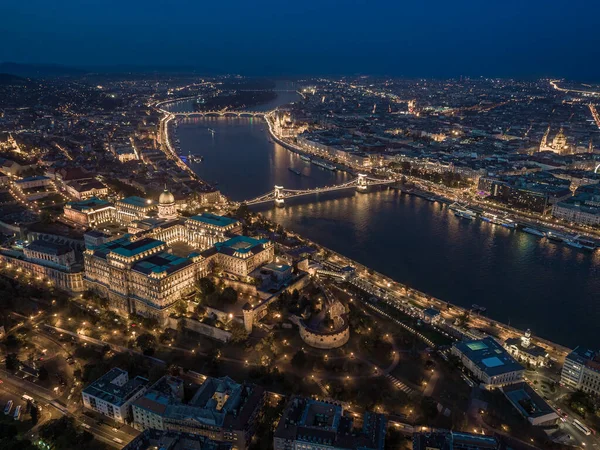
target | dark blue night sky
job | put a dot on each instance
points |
(525, 38)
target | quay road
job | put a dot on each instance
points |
(449, 194)
(13, 386)
(60, 400)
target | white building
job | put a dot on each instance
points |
(48, 262)
(242, 254)
(489, 362)
(582, 371)
(113, 393)
(524, 350)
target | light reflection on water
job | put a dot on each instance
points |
(551, 288)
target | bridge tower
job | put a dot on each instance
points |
(279, 202)
(361, 183)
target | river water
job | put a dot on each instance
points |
(552, 289)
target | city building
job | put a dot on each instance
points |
(583, 208)
(113, 393)
(50, 254)
(308, 424)
(90, 212)
(581, 370)
(530, 405)
(242, 254)
(452, 440)
(558, 144)
(133, 208)
(47, 261)
(524, 350)
(432, 316)
(220, 409)
(533, 196)
(329, 330)
(84, 189)
(216, 228)
(173, 440)
(273, 276)
(140, 276)
(489, 362)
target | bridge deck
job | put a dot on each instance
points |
(289, 193)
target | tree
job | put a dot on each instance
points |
(229, 296)
(12, 362)
(181, 307)
(34, 412)
(242, 212)
(12, 342)
(147, 343)
(299, 360)
(238, 332)
(43, 373)
(205, 287)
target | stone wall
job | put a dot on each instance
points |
(201, 328)
(324, 340)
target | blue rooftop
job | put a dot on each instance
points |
(137, 201)
(136, 247)
(489, 356)
(213, 219)
(161, 262)
(494, 361)
(240, 244)
(90, 203)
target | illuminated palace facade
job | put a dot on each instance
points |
(138, 273)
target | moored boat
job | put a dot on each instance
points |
(554, 236)
(534, 231)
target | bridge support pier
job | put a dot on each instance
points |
(361, 183)
(279, 202)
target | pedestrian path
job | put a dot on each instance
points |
(399, 384)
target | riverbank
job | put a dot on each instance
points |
(284, 162)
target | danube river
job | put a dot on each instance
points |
(520, 279)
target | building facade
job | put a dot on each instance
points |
(220, 409)
(242, 254)
(524, 350)
(489, 362)
(113, 393)
(47, 261)
(581, 370)
(90, 212)
(140, 276)
(308, 424)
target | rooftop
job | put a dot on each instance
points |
(173, 440)
(130, 249)
(527, 401)
(214, 220)
(110, 391)
(241, 245)
(489, 356)
(138, 202)
(161, 262)
(91, 203)
(323, 423)
(448, 440)
(48, 247)
(219, 402)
